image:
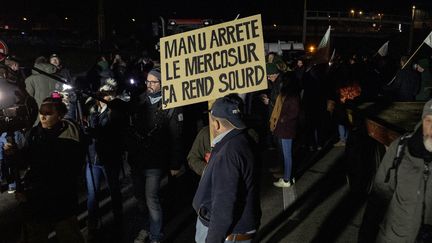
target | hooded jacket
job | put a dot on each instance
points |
(395, 209)
(54, 158)
(40, 86)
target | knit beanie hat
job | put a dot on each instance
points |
(427, 109)
(271, 68)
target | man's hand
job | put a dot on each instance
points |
(265, 99)
(174, 172)
(9, 149)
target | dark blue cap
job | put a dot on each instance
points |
(228, 109)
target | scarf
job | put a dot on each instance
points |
(155, 97)
(276, 112)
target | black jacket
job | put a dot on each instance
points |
(227, 198)
(155, 140)
(106, 130)
(54, 159)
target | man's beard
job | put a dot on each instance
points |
(427, 141)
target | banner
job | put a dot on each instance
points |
(208, 63)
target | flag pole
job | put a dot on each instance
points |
(413, 54)
(406, 63)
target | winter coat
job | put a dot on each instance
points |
(39, 85)
(227, 198)
(54, 157)
(287, 122)
(106, 130)
(405, 86)
(155, 140)
(394, 210)
(200, 151)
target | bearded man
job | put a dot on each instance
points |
(400, 206)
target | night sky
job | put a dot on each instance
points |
(200, 8)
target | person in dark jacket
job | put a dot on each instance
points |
(227, 198)
(406, 84)
(199, 154)
(53, 156)
(105, 159)
(62, 71)
(155, 147)
(283, 124)
(274, 77)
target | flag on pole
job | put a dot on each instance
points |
(428, 40)
(383, 51)
(323, 51)
(325, 41)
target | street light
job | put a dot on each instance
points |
(360, 12)
(311, 48)
(133, 20)
(24, 18)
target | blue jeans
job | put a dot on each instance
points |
(111, 175)
(286, 145)
(146, 183)
(343, 133)
(201, 234)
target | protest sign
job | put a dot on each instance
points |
(208, 63)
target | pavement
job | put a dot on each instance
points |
(318, 208)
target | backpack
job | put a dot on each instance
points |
(400, 152)
(425, 232)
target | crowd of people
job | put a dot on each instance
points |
(121, 120)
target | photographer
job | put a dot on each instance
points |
(53, 155)
(105, 160)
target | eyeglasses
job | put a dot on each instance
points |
(151, 82)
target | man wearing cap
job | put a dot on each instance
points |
(400, 205)
(155, 148)
(227, 198)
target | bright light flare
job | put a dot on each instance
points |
(66, 87)
(311, 48)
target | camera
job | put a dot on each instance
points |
(17, 109)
